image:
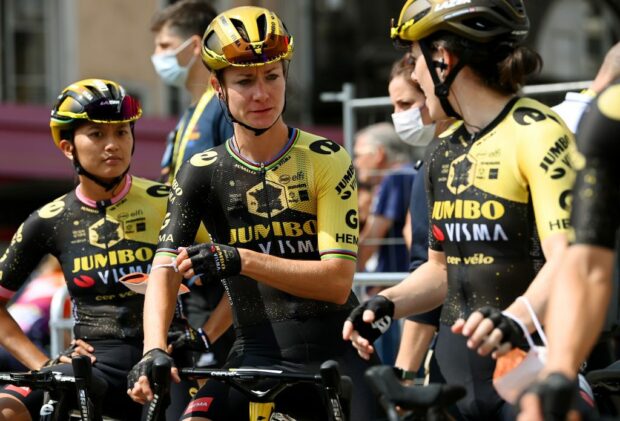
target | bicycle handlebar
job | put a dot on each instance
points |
(161, 388)
(336, 386)
(392, 393)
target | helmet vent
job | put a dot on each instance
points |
(261, 23)
(241, 29)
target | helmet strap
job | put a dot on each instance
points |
(107, 185)
(442, 88)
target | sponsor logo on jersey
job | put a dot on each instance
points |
(243, 235)
(566, 200)
(284, 247)
(324, 147)
(461, 174)
(203, 159)
(84, 281)
(448, 4)
(110, 297)
(287, 178)
(465, 231)
(557, 154)
(159, 190)
(559, 224)
(52, 209)
(111, 258)
(175, 191)
(347, 184)
(266, 199)
(106, 232)
(527, 115)
(476, 259)
(344, 238)
(438, 234)
(351, 218)
(467, 209)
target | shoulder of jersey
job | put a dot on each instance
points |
(55, 207)
(530, 113)
(451, 129)
(208, 157)
(150, 187)
(319, 145)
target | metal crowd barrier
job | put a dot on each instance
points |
(61, 325)
(350, 104)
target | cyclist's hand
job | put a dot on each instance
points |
(214, 260)
(188, 338)
(138, 385)
(63, 358)
(79, 347)
(549, 399)
(367, 322)
(490, 331)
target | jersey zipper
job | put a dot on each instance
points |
(263, 174)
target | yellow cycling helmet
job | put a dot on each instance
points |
(245, 36)
(480, 21)
(96, 100)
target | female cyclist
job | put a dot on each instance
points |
(107, 227)
(280, 205)
(497, 183)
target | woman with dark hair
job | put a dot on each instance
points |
(497, 185)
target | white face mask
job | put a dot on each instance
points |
(411, 129)
(168, 68)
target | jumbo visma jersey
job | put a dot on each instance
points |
(493, 198)
(596, 207)
(302, 205)
(96, 244)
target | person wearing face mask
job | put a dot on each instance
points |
(178, 29)
(415, 127)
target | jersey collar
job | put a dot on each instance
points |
(293, 135)
(104, 203)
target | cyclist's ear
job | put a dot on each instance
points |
(67, 148)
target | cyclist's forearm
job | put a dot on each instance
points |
(577, 307)
(219, 320)
(423, 290)
(17, 343)
(159, 306)
(326, 280)
(414, 342)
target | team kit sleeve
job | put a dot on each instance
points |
(337, 212)
(24, 253)
(180, 227)
(595, 213)
(544, 158)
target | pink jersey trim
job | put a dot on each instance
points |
(93, 203)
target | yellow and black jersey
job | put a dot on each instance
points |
(301, 205)
(596, 197)
(493, 197)
(96, 244)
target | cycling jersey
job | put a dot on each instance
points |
(301, 205)
(96, 243)
(596, 203)
(493, 197)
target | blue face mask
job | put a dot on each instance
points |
(168, 68)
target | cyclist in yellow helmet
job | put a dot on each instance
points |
(103, 229)
(281, 207)
(497, 182)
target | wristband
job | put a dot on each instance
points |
(403, 374)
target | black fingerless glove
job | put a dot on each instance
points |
(215, 260)
(511, 331)
(56, 360)
(190, 339)
(383, 308)
(557, 394)
(144, 367)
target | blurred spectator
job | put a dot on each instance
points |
(381, 159)
(31, 310)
